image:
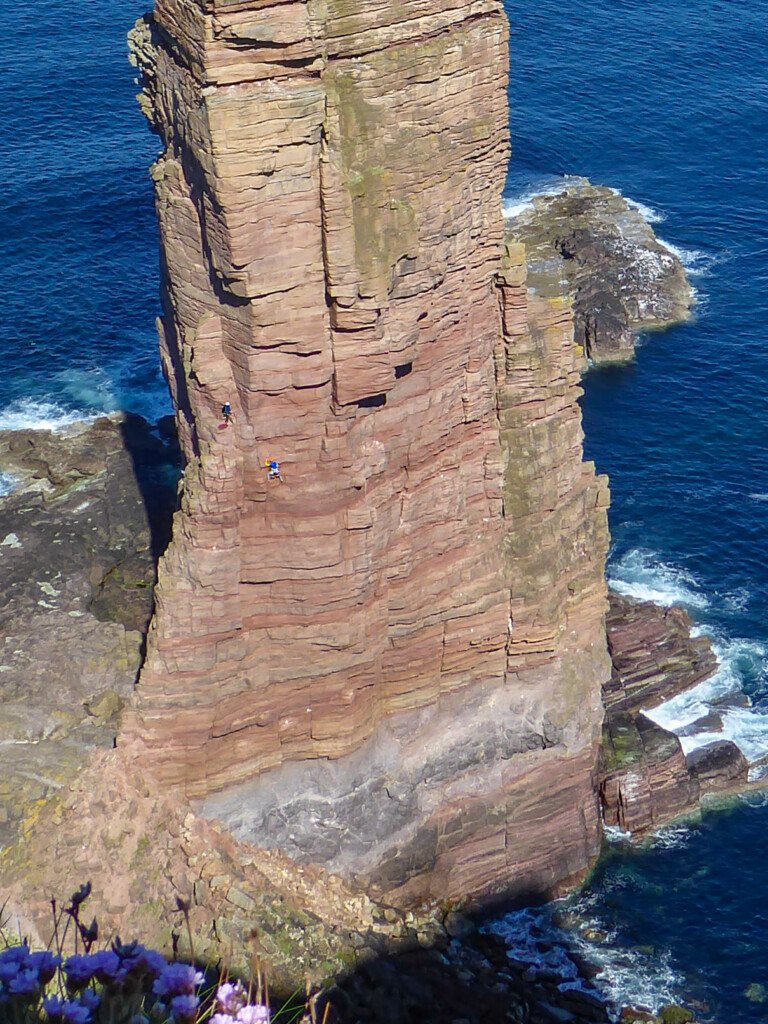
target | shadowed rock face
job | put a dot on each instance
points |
(388, 661)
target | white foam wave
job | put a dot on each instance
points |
(8, 484)
(616, 834)
(625, 977)
(695, 261)
(522, 932)
(652, 215)
(746, 726)
(758, 497)
(737, 600)
(743, 663)
(513, 206)
(31, 414)
(629, 978)
(641, 978)
(672, 837)
(642, 575)
(124, 388)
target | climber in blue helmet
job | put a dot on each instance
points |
(274, 470)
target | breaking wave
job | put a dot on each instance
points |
(7, 484)
(513, 206)
(624, 976)
(696, 262)
(642, 575)
(651, 215)
(33, 414)
(722, 703)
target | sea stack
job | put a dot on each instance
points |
(386, 658)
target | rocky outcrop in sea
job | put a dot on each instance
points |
(590, 241)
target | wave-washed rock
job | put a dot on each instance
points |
(600, 247)
(646, 778)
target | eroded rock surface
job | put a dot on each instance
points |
(388, 661)
(622, 278)
(646, 778)
(77, 568)
(653, 653)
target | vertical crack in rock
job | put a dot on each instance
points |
(388, 659)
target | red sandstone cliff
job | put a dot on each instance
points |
(390, 662)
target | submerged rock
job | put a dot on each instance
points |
(623, 279)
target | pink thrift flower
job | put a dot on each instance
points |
(230, 997)
(253, 1014)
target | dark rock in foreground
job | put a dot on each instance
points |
(623, 279)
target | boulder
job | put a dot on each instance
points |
(717, 766)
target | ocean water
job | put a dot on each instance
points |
(669, 104)
(78, 245)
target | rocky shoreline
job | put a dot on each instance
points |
(646, 779)
(79, 538)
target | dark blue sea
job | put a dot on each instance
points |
(667, 103)
(78, 241)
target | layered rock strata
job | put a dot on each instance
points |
(622, 278)
(646, 777)
(388, 659)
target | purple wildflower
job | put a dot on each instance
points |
(106, 966)
(76, 1013)
(8, 971)
(153, 963)
(14, 954)
(90, 999)
(11, 960)
(26, 983)
(255, 1013)
(45, 963)
(54, 1007)
(66, 1012)
(220, 1018)
(184, 1009)
(230, 997)
(80, 970)
(177, 979)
